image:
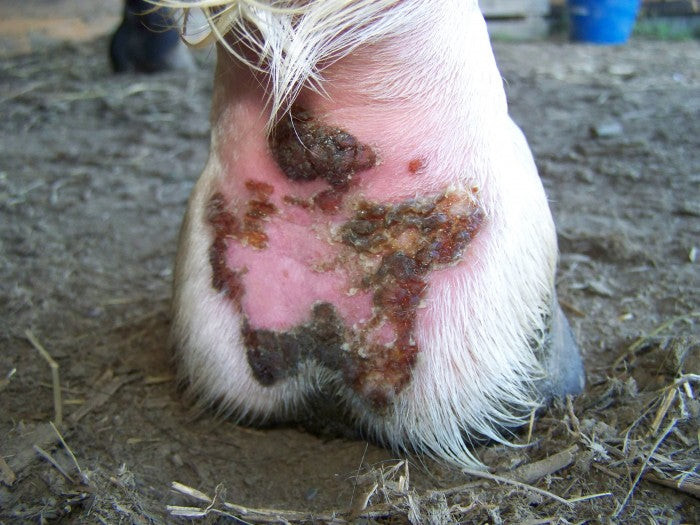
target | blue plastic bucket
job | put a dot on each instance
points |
(602, 21)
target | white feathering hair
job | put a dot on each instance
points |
(292, 41)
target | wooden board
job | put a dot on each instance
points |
(513, 8)
(533, 28)
(516, 19)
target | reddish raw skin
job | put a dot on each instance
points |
(260, 189)
(402, 242)
(415, 165)
(329, 201)
(259, 209)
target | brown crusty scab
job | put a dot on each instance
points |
(306, 150)
(410, 239)
(406, 242)
(225, 224)
(389, 250)
(248, 231)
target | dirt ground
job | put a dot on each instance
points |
(95, 171)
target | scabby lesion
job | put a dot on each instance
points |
(276, 355)
(306, 149)
(246, 228)
(386, 251)
(399, 245)
(391, 249)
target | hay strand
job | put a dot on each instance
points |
(45, 455)
(624, 502)
(57, 403)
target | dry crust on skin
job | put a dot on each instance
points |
(389, 249)
(306, 149)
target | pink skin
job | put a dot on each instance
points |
(301, 263)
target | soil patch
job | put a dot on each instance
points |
(95, 171)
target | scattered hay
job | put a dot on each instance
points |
(625, 455)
